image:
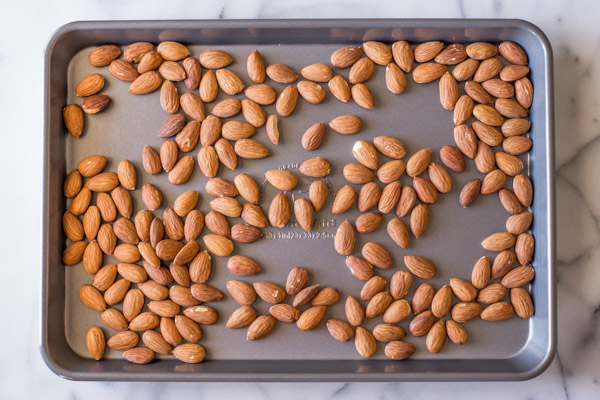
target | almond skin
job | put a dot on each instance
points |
(442, 301)
(316, 167)
(146, 83)
(373, 286)
(463, 312)
(344, 199)
(282, 179)
(287, 100)
(378, 304)
(418, 162)
(456, 333)
(498, 312)
(357, 173)
(281, 73)
(243, 266)
(305, 295)
(375, 254)
(436, 338)
(452, 158)
(123, 340)
(427, 51)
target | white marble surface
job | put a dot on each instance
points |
(575, 35)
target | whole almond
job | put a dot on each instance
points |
(193, 106)
(395, 80)
(269, 292)
(463, 312)
(524, 94)
(403, 55)
(419, 220)
(378, 52)
(208, 160)
(518, 277)
(421, 323)
(498, 311)
(378, 304)
(442, 301)
(227, 206)
(448, 91)
(143, 322)
(123, 70)
(516, 145)
(313, 136)
(427, 51)
(91, 222)
(508, 108)
(357, 173)
(281, 73)
(509, 201)
(355, 313)
(436, 338)
(390, 195)
(453, 54)
(167, 249)
(499, 88)
(254, 215)
(339, 87)
(245, 233)
(360, 268)
(152, 290)
(256, 67)
(73, 184)
(247, 188)
(463, 290)
(344, 199)
(151, 160)
(420, 266)
(316, 167)
(190, 353)
(253, 113)
(193, 71)
(452, 158)
(418, 162)
(487, 134)
(317, 193)
(282, 179)
(487, 115)
(210, 130)
(465, 69)
(132, 272)
(456, 333)
(279, 211)
(361, 71)
(251, 149)
(440, 178)
(209, 88)
(481, 50)
(340, 330)
(182, 171)
(373, 286)
(272, 129)
(173, 51)
(188, 329)
(346, 56)
(369, 196)
(218, 245)
(304, 213)
(123, 340)
(150, 62)
(422, 298)
(311, 318)
(73, 254)
(365, 343)
(492, 293)
(398, 350)
(362, 96)
(466, 140)
(408, 197)
(214, 59)
(164, 308)
(398, 231)
(287, 100)
(243, 266)
(194, 223)
(107, 239)
(345, 238)
(296, 280)
(426, 191)
(524, 248)
(182, 295)
(375, 254)
(89, 85)
(241, 317)
(139, 355)
(116, 292)
(386, 333)
(92, 257)
(73, 227)
(114, 319)
(311, 92)
(206, 293)
(478, 93)
(428, 72)
(92, 298)
(102, 56)
(229, 82)
(305, 295)
(523, 189)
(243, 293)
(146, 83)
(172, 125)
(105, 277)
(326, 297)
(481, 274)
(73, 119)
(499, 241)
(463, 110)
(260, 327)
(485, 161)
(95, 342)
(519, 223)
(397, 311)
(521, 301)
(169, 331)
(493, 182)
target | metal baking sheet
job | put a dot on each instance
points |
(511, 350)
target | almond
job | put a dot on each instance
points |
(169, 331)
(521, 301)
(340, 330)
(481, 273)
(519, 223)
(311, 92)
(396, 312)
(311, 318)
(398, 350)
(89, 85)
(368, 196)
(345, 238)
(123, 70)
(466, 140)
(499, 241)
(241, 317)
(421, 323)
(513, 53)
(103, 55)
(114, 319)
(146, 83)
(508, 108)
(360, 268)
(150, 62)
(420, 266)
(492, 293)
(523, 189)
(214, 59)
(254, 215)
(361, 71)
(488, 115)
(378, 52)
(260, 327)
(305, 295)
(210, 130)
(125, 230)
(524, 248)
(251, 149)
(487, 69)
(205, 293)
(452, 158)
(187, 328)
(426, 191)
(398, 232)
(164, 308)
(281, 73)
(151, 196)
(418, 162)
(107, 239)
(105, 277)
(173, 51)
(190, 353)
(279, 211)
(517, 145)
(116, 292)
(465, 69)
(339, 87)
(346, 56)
(355, 313)
(453, 54)
(407, 200)
(395, 80)
(296, 280)
(243, 266)
(152, 290)
(463, 312)
(182, 171)
(518, 277)
(193, 72)
(243, 293)
(511, 73)
(253, 113)
(208, 160)
(363, 96)
(373, 286)
(172, 125)
(316, 167)
(73, 184)
(92, 298)
(498, 312)
(493, 182)
(92, 257)
(95, 342)
(403, 55)
(245, 233)
(442, 301)
(481, 50)
(209, 88)
(485, 161)
(499, 88)
(151, 161)
(167, 249)
(357, 173)
(524, 95)
(218, 245)
(462, 112)
(365, 343)
(256, 67)
(73, 227)
(515, 126)
(156, 342)
(419, 220)
(389, 197)
(422, 298)
(386, 333)
(123, 340)
(80, 203)
(194, 223)
(91, 222)
(192, 105)
(436, 338)
(428, 72)
(229, 82)
(463, 290)
(344, 199)
(304, 213)
(123, 201)
(73, 119)
(287, 100)
(182, 295)
(227, 206)
(375, 254)
(456, 333)
(448, 91)
(282, 179)
(478, 93)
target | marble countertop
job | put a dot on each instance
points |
(574, 32)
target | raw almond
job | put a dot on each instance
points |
(208, 160)
(389, 197)
(214, 59)
(255, 65)
(428, 72)
(73, 254)
(521, 301)
(114, 319)
(317, 193)
(498, 311)
(73, 119)
(316, 167)
(481, 50)
(346, 124)
(396, 312)
(107, 239)
(89, 85)
(194, 223)
(245, 233)
(146, 83)
(426, 191)
(456, 333)
(279, 211)
(511, 73)
(518, 277)
(398, 350)
(485, 160)
(398, 232)
(360, 268)
(296, 280)
(436, 338)
(378, 256)
(105, 277)
(355, 312)
(419, 220)
(190, 353)
(344, 199)
(408, 197)
(123, 340)
(395, 80)
(73, 184)
(193, 106)
(73, 227)
(373, 286)
(172, 125)
(422, 298)
(167, 249)
(151, 161)
(463, 110)
(346, 56)
(365, 343)
(182, 171)
(243, 293)
(499, 241)
(254, 215)
(209, 88)
(378, 52)
(325, 297)
(463, 290)
(251, 149)
(150, 62)
(524, 94)
(91, 222)
(92, 298)
(193, 72)
(452, 158)
(164, 308)
(499, 88)
(361, 71)
(403, 55)
(311, 92)
(453, 54)
(253, 113)
(339, 87)
(188, 329)
(363, 96)
(519, 223)
(524, 248)
(123, 70)
(386, 333)
(241, 317)
(421, 323)
(488, 115)
(182, 295)
(466, 140)
(481, 274)
(448, 91)
(340, 330)
(260, 327)
(243, 266)
(420, 266)
(463, 312)
(156, 342)
(103, 55)
(478, 93)
(272, 129)
(116, 292)
(442, 301)
(492, 293)
(508, 108)
(305, 295)
(345, 238)
(465, 69)
(357, 173)
(282, 179)
(95, 342)
(281, 73)
(427, 51)
(513, 53)
(418, 162)
(152, 290)
(173, 51)
(304, 213)
(368, 196)
(218, 245)
(493, 182)
(227, 108)
(227, 206)
(287, 100)
(92, 257)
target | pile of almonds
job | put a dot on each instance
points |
(496, 107)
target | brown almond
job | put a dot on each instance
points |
(152, 290)
(503, 263)
(422, 298)
(403, 55)
(218, 245)
(463, 312)
(190, 353)
(398, 231)
(355, 312)
(428, 72)
(493, 182)
(378, 52)
(365, 343)
(245, 233)
(485, 160)
(253, 113)
(397, 312)
(73, 184)
(398, 350)
(123, 340)
(92, 298)
(465, 69)
(287, 100)
(107, 238)
(243, 266)
(123, 70)
(442, 301)
(360, 268)
(182, 171)
(150, 62)
(254, 215)
(260, 327)
(146, 83)
(269, 292)
(524, 94)
(241, 317)
(420, 266)
(362, 96)
(316, 167)
(102, 56)
(453, 54)
(361, 71)
(524, 248)
(395, 80)
(478, 93)
(481, 274)
(373, 286)
(116, 292)
(386, 333)
(296, 280)
(173, 51)
(498, 311)
(89, 85)
(311, 92)
(345, 238)
(448, 91)
(208, 161)
(193, 106)
(463, 290)
(357, 173)
(344, 199)
(214, 59)
(492, 293)
(279, 211)
(105, 277)
(518, 277)
(73, 254)
(91, 222)
(194, 223)
(255, 65)
(390, 195)
(408, 196)
(427, 51)
(418, 162)
(436, 338)
(466, 140)
(377, 255)
(304, 213)
(419, 220)
(456, 333)
(114, 319)
(193, 72)
(209, 88)
(462, 112)
(340, 88)
(229, 82)
(326, 297)
(243, 293)
(521, 301)
(340, 330)
(421, 323)
(95, 342)
(281, 73)
(251, 149)
(187, 328)
(346, 56)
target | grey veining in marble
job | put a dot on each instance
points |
(574, 31)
